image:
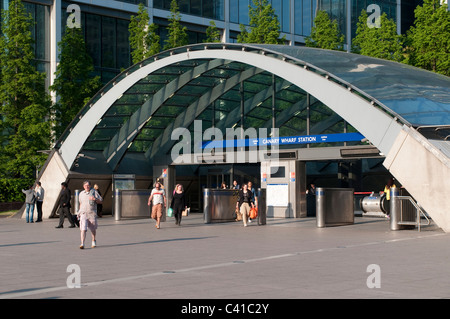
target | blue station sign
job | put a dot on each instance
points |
(285, 140)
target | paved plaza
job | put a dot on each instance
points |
(285, 259)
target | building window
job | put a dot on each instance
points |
(213, 9)
(134, 1)
(106, 41)
(40, 33)
(304, 11)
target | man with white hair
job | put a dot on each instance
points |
(87, 214)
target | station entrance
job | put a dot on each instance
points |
(181, 97)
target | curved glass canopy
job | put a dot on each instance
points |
(419, 97)
(213, 90)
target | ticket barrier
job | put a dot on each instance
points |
(334, 207)
(219, 205)
(132, 203)
(375, 204)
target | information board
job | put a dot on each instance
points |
(277, 195)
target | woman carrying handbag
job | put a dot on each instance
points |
(245, 202)
(178, 203)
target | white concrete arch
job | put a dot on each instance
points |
(372, 122)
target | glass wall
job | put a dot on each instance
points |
(239, 12)
(106, 41)
(40, 33)
(304, 11)
(134, 1)
(337, 10)
(213, 9)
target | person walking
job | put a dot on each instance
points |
(87, 213)
(30, 198)
(99, 206)
(158, 200)
(387, 191)
(178, 203)
(39, 190)
(245, 200)
(254, 198)
(64, 206)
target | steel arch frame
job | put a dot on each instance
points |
(356, 108)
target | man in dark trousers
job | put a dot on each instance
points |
(64, 206)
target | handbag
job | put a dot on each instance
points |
(253, 213)
(170, 212)
(238, 214)
(186, 212)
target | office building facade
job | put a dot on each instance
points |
(105, 23)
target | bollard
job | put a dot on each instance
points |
(76, 202)
(206, 206)
(261, 206)
(395, 209)
(117, 202)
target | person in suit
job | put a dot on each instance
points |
(64, 206)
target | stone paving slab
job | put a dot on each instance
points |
(285, 259)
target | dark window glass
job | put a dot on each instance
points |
(298, 13)
(123, 44)
(196, 7)
(278, 172)
(234, 11)
(243, 11)
(286, 17)
(108, 42)
(93, 38)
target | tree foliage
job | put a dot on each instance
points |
(74, 83)
(428, 41)
(264, 25)
(325, 33)
(25, 107)
(382, 42)
(144, 40)
(177, 36)
(212, 33)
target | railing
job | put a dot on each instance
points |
(407, 207)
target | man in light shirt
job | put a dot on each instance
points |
(39, 190)
(158, 199)
(87, 213)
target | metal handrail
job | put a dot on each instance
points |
(419, 211)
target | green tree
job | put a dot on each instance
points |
(264, 25)
(382, 42)
(25, 106)
(212, 33)
(74, 84)
(325, 33)
(144, 41)
(428, 41)
(177, 33)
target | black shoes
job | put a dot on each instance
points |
(60, 226)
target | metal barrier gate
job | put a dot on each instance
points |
(219, 205)
(405, 212)
(132, 203)
(334, 207)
